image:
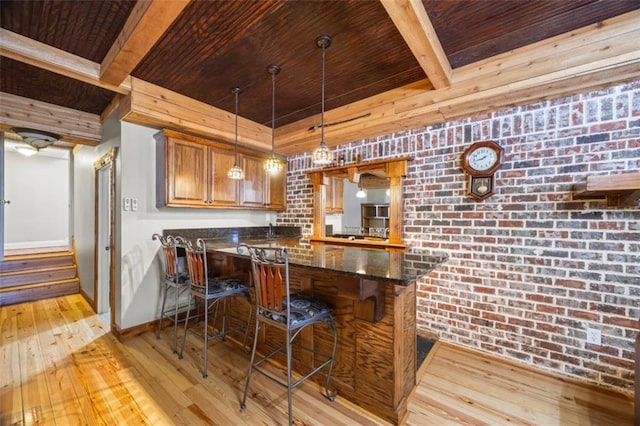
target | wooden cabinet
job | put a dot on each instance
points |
(277, 190)
(335, 195)
(186, 181)
(252, 187)
(224, 191)
(192, 172)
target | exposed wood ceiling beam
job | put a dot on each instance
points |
(43, 56)
(413, 23)
(587, 59)
(147, 22)
(73, 126)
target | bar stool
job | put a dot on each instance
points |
(174, 280)
(212, 291)
(289, 313)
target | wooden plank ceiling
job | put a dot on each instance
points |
(393, 64)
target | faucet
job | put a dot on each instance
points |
(270, 233)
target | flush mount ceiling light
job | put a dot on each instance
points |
(273, 165)
(236, 172)
(34, 140)
(322, 155)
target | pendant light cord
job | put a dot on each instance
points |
(273, 113)
(324, 49)
(237, 91)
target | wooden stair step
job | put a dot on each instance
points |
(34, 276)
(49, 260)
(39, 291)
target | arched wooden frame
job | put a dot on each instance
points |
(395, 169)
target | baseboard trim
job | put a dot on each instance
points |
(127, 333)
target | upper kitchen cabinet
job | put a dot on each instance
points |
(335, 195)
(192, 172)
(252, 187)
(182, 173)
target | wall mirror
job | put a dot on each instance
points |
(361, 202)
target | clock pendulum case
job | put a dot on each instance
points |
(480, 161)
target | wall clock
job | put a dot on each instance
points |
(480, 161)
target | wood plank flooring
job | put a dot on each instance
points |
(61, 366)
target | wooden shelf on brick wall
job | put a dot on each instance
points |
(615, 189)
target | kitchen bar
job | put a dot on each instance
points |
(373, 292)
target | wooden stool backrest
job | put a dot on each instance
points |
(197, 264)
(170, 254)
(270, 276)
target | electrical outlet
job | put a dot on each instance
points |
(594, 336)
(267, 217)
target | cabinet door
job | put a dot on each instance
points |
(277, 189)
(187, 173)
(224, 190)
(253, 190)
(335, 195)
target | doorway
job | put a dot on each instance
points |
(104, 283)
(36, 193)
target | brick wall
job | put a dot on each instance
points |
(529, 269)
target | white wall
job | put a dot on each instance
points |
(38, 188)
(139, 280)
(84, 205)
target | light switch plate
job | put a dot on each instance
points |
(126, 204)
(134, 204)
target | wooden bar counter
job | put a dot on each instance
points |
(374, 297)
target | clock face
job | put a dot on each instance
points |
(483, 158)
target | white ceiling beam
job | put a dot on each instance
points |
(413, 23)
(147, 22)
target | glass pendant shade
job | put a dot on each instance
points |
(273, 165)
(236, 172)
(361, 193)
(322, 155)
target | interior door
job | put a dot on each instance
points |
(2, 200)
(104, 250)
(104, 240)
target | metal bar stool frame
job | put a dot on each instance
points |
(173, 280)
(275, 305)
(213, 291)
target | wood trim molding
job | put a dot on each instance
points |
(107, 160)
(154, 106)
(393, 168)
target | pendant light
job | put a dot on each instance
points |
(361, 193)
(236, 172)
(273, 165)
(322, 155)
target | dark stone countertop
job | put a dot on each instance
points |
(400, 268)
(396, 267)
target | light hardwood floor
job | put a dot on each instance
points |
(61, 366)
